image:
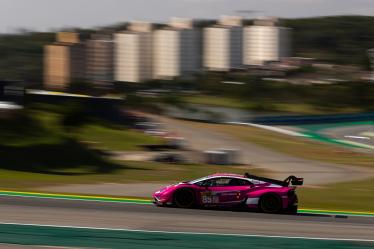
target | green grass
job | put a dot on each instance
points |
(114, 139)
(351, 196)
(299, 108)
(36, 141)
(30, 128)
(38, 150)
(215, 101)
(296, 146)
(125, 172)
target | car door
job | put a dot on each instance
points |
(223, 191)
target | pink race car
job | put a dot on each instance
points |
(233, 190)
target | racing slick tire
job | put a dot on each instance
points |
(185, 198)
(270, 203)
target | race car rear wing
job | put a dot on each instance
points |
(293, 180)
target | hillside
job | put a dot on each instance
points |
(338, 39)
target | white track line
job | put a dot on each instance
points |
(272, 128)
(358, 137)
(11, 245)
(365, 146)
(192, 233)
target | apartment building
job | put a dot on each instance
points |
(223, 45)
(99, 59)
(266, 42)
(177, 50)
(64, 61)
(133, 53)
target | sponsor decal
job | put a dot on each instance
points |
(209, 198)
(252, 201)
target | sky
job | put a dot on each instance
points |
(46, 15)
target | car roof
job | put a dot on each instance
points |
(226, 175)
(216, 175)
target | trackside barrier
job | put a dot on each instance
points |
(313, 119)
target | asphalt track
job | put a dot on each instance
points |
(353, 133)
(77, 213)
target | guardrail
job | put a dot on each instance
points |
(313, 119)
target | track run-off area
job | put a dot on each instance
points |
(61, 220)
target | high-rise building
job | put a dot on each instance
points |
(64, 61)
(68, 37)
(99, 56)
(133, 53)
(265, 42)
(223, 45)
(177, 50)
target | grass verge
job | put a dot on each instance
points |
(37, 141)
(299, 108)
(350, 196)
(107, 138)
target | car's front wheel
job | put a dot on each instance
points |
(291, 210)
(184, 198)
(270, 203)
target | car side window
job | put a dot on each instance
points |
(215, 182)
(223, 182)
(239, 182)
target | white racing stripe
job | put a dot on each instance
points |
(272, 128)
(193, 233)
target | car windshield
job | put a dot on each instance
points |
(198, 180)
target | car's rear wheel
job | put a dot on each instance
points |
(270, 203)
(185, 198)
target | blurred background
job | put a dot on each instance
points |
(117, 98)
